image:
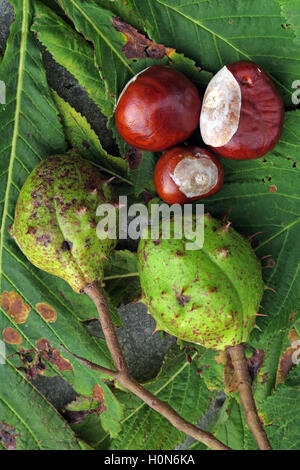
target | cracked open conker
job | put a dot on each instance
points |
(157, 109)
(185, 174)
(242, 112)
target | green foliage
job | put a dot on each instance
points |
(215, 33)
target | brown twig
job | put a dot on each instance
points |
(95, 292)
(240, 366)
(92, 365)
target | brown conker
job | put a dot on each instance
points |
(242, 112)
(158, 108)
(185, 174)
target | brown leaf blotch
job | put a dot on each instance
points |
(183, 299)
(11, 336)
(15, 307)
(286, 361)
(134, 158)
(47, 312)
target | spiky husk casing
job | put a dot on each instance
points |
(55, 224)
(208, 296)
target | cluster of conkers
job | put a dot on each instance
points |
(240, 118)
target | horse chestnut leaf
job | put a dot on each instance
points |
(185, 174)
(242, 112)
(157, 109)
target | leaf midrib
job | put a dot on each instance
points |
(23, 43)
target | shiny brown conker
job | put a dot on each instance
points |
(185, 174)
(242, 112)
(158, 108)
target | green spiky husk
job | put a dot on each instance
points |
(55, 219)
(208, 296)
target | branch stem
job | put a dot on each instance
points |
(95, 292)
(239, 362)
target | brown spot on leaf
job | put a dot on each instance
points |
(272, 188)
(183, 299)
(230, 380)
(292, 316)
(223, 252)
(44, 239)
(222, 358)
(47, 312)
(15, 307)
(98, 395)
(11, 336)
(255, 362)
(53, 355)
(134, 158)
(137, 45)
(8, 436)
(144, 254)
